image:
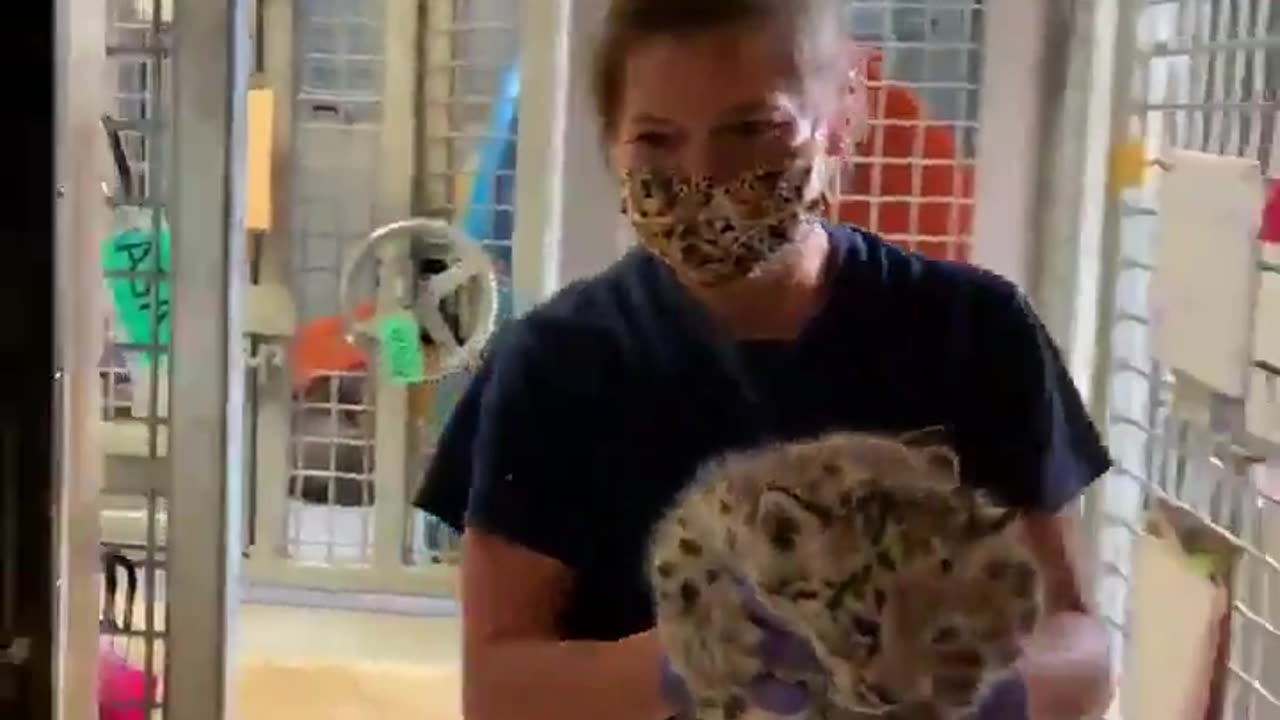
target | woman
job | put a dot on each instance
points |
(742, 318)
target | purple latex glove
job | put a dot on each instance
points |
(1006, 701)
(779, 649)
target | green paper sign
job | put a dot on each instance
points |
(401, 356)
(135, 250)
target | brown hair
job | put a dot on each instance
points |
(815, 24)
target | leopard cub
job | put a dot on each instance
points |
(913, 589)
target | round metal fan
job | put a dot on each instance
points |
(446, 279)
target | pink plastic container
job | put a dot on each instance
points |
(121, 688)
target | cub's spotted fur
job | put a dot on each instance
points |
(912, 588)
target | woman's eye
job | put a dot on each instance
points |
(755, 127)
(758, 128)
(652, 139)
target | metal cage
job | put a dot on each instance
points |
(354, 459)
(134, 375)
(1201, 75)
(911, 178)
(385, 110)
(175, 149)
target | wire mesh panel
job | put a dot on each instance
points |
(134, 368)
(911, 178)
(1207, 78)
(471, 86)
(336, 181)
(338, 123)
(331, 481)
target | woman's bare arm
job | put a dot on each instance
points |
(514, 665)
(1067, 663)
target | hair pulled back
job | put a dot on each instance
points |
(815, 26)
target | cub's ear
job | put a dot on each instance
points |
(932, 436)
(933, 446)
(989, 520)
(942, 459)
(783, 517)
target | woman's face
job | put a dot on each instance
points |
(717, 104)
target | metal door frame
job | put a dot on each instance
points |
(81, 163)
(210, 70)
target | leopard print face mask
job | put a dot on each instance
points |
(713, 233)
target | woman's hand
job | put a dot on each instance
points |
(1061, 667)
(1066, 662)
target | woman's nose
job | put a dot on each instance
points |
(698, 158)
(712, 158)
(722, 160)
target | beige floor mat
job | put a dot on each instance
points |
(317, 664)
(269, 690)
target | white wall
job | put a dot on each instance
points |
(1009, 138)
(568, 225)
(594, 231)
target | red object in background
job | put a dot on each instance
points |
(1270, 230)
(122, 688)
(884, 166)
(321, 347)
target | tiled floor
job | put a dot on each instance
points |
(303, 633)
(321, 664)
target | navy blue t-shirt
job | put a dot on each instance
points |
(595, 408)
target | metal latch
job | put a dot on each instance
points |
(17, 652)
(265, 357)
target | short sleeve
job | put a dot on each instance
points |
(1025, 434)
(447, 482)
(528, 463)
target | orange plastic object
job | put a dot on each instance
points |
(321, 347)
(899, 134)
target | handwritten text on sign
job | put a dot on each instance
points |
(133, 262)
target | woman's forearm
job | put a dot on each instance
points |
(552, 680)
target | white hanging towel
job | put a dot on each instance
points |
(1202, 292)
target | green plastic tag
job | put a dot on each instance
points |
(137, 308)
(402, 360)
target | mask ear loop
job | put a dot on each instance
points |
(829, 197)
(841, 138)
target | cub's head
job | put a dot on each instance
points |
(948, 635)
(873, 546)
